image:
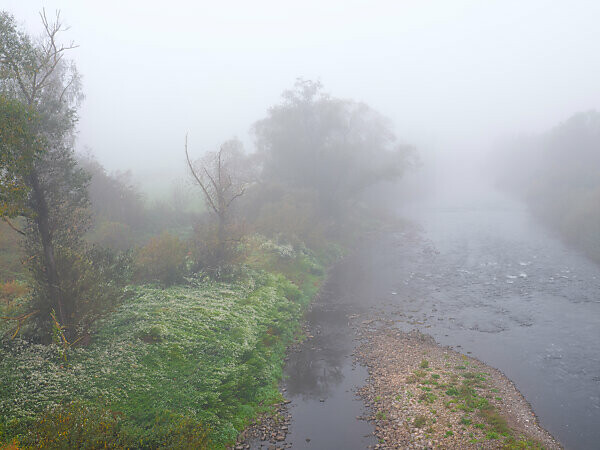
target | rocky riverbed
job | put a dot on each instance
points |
(423, 395)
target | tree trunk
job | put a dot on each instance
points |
(43, 223)
(221, 235)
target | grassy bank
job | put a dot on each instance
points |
(186, 365)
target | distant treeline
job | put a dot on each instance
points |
(558, 175)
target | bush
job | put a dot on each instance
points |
(76, 425)
(275, 209)
(113, 235)
(11, 254)
(91, 284)
(216, 257)
(162, 259)
(12, 290)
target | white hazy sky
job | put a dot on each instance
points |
(452, 75)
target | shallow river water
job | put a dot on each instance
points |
(488, 279)
(479, 275)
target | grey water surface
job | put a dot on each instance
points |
(478, 274)
(488, 279)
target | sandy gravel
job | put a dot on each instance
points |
(423, 395)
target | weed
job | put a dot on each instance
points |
(452, 392)
(428, 397)
(381, 415)
(420, 421)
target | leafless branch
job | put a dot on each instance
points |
(10, 224)
(198, 180)
(19, 319)
(239, 194)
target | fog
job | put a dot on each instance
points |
(452, 76)
(257, 201)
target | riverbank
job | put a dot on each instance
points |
(180, 367)
(423, 395)
(377, 281)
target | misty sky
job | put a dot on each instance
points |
(452, 75)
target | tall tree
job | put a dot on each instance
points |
(36, 74)
(336, 147)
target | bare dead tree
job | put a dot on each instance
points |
(221, 177)
(34, 71)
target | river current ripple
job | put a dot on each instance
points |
(485, 278)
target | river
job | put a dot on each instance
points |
(479, 274)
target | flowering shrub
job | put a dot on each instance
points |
(281, 250)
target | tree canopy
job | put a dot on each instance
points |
(19, 145)
(334, 146)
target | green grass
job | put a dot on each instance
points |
(381, 415)
(208, 353)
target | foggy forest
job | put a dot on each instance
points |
(308, 225)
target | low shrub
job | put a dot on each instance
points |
(77, 425)
(12, 290)
(162, 260)
(213, 254)
(113, 235)
(92, 282)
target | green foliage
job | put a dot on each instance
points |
(420, 421)
(113, 235)
(213, 254)
(211, 352)
(275, 209)
(91, 283)
(336, 147)
(19, 146)
(11, 254)
(12, 290)
(162, 260)
(40, 178)
(428, 397)
(87, 426)
(381, 415)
